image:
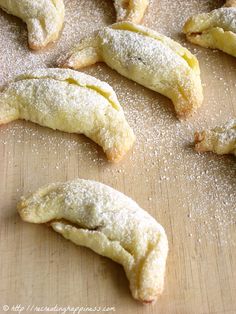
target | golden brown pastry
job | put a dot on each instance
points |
(216, 30)
(69, 101)
(130, 10)
(94, 215)
(146, 57)
(230, 3)
(220, 140)
(44, 19)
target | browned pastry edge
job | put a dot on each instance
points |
(230, 3)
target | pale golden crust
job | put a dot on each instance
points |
(72, 102)
(216, 30)
(220, 140)
(230, 3)
(130, 10)
(94, 215)
(147, 57)
(44, 19)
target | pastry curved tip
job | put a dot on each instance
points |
(73, 61)
(35, 47)
(189, 25)
(38, 47)
(85, 54)
(32, 213)
(47, 42)
(22, 209)
(191, 98)
(115, 156)
(199, 137)
(132, 11)
(21, 205)
(188, 112)
(152, 299)
(186, 26)
(48, 39)
(152, 274)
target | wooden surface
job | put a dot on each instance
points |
(191, 195)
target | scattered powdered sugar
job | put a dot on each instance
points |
(163, 157)
(176, 13)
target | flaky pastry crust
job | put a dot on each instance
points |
(216, 30)
(94, 215)
(146, 57)
(69, 101)
(220, 140)
(44, 19)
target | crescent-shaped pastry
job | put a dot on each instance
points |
(220, 140)
(72, 102)
(96, 216)
(146, 57)
(216, 30)
(44, 19)
(130, 10)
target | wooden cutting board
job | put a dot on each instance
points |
(191, 195)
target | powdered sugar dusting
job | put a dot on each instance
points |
(220, 140)
(163, 158)
(224, 18)
(44, 19)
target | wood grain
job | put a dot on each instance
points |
(191, 195)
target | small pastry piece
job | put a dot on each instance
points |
(216, 30)
(72, 102)
(148, 58)
(44, 19)
(130, 10)
(94, 215)
(220, 140)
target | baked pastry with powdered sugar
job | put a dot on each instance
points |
(96, 216)
(69, 101)
(216, 30)
(130, 10)
(220, 140)
(146, 57)
(44, 19)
